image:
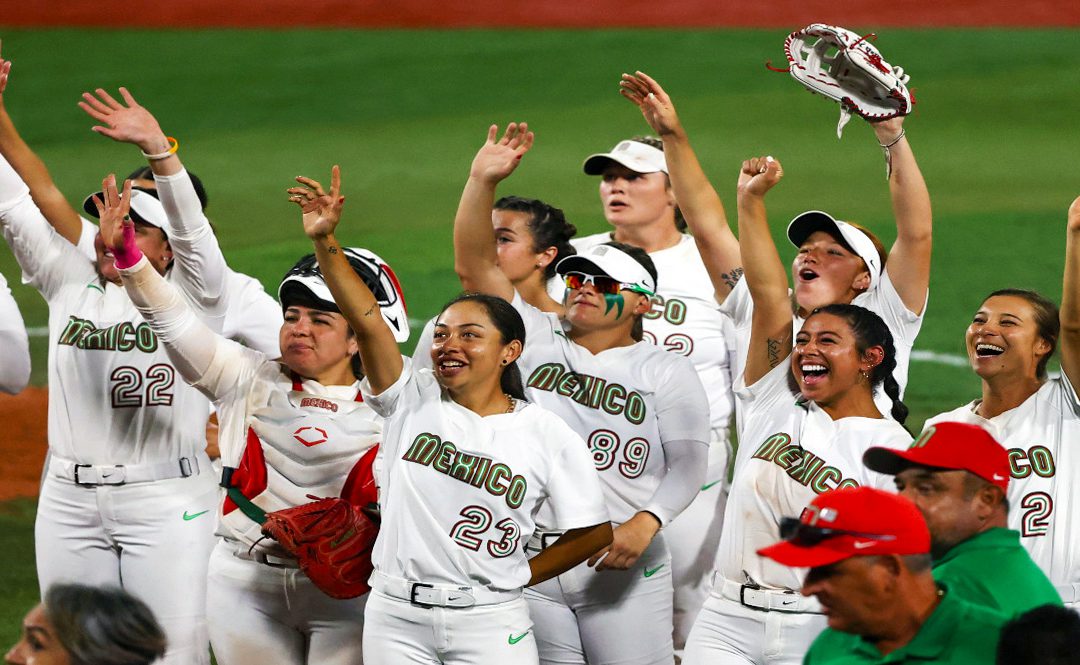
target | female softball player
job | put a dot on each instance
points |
(1009, 342)
(468, 462)
(795, 442)
(289, 429)
(127, 481)
(642, 411)
(699, 273)
(14, 342)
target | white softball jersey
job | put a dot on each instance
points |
(883, 301)
(14, 343)
(686, 319)
(626, 402)
(790, 451)
(460, 491)
(1041, 435)
(114, 396)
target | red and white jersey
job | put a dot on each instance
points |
(685, 318)
(625, 402)
(883, 301)
(1042, 436)
(114, 395)
(789, 452)
(460, 491)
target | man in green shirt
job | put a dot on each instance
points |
(870, 568)
(958, 476)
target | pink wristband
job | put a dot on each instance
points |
(128, 253)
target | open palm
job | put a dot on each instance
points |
(320, 210)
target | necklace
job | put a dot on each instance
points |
(510, 403)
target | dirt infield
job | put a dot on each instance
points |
(24, 427)
(538, 13)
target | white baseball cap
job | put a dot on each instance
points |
(376, 273)
(634, 155)
(610, 261)
(858, 242)
(145, 208)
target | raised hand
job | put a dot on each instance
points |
(498, 158)
(127, 123)
(655, 105)
(116, 228)
(321, 210)
(758, 175)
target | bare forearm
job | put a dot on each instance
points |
(1070, 299)
(765, 274)
(569, 550)
(474, 241)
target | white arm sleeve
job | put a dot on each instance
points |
(421, 355)
(687, 462)
(213, 364)
(86, 239)
(47, 260)
(198, 264)
(14, 344)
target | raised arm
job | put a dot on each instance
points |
(474, 235)
(321, 213)
(766, 277)
(909, 260)
(1070, 298)
(697, 198)
(46, 195)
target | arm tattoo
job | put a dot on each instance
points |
(774, 351)
(732, 278)
(371, 310)
(332, 249)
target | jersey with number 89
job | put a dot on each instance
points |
(114, 397)
(625, 402)
(1042, 436)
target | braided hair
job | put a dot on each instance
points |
(548, 227)
(870, 331)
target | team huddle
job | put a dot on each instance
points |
(552, 476)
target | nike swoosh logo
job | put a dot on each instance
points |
(649, 572)
(708, 485)
(514, 640)
(789, 602)
(188, 518)
(864, 545)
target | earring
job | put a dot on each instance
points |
(505, 363)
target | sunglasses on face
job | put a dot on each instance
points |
(602, 283)
(793, 530)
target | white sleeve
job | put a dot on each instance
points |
(406, 390)
(739, 306)
(1069, 402)
(86, 239)
(252, 317)
(198, 264)
(687, 463)
(47, 260)
(541, 330)
(421, 355)
(902, 322)
(573, 492)
(213, 364)
(14, 344)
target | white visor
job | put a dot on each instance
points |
(144, 208)
(805, 224)
(612, 262)
(634, 155)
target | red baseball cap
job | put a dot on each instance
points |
(951, 446)
(854, 521)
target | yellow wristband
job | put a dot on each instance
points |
(174, 145)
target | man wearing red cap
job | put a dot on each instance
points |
(958, 476)
(868, 554)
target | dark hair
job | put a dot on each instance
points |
(1047, 320)
(1047, 635)
(548, 227)
(146, 173)
(642, 257)
(510, 326)
(680, 221)
(869, 331)
(103, 626)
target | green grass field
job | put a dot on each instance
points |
(403, 112)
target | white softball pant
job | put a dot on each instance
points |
(611, 617)
(152, 538)
(272, 615)
(729, 633)
(397, 632)
(694, 538)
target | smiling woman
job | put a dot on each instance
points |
(1009, 342)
